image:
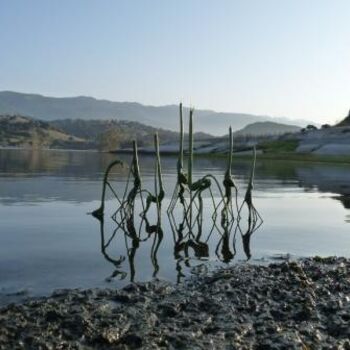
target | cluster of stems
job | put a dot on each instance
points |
(188, 195)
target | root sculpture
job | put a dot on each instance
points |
(190, 195)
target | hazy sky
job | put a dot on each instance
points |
(274, 57)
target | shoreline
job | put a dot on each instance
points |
(302, 304)
(287, 156)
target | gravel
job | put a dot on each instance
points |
(288, 305)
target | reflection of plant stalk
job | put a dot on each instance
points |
(116, 262)
(158, 237)
(135, 243)
(226, 254)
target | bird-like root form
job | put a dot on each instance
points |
(189, 194)
(126, 210)
(99, 213)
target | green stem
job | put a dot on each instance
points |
(230, 151)
(159, 167)
(158, 175)
(190, 149)
(253, 168)
(181, 145)
(190, 161)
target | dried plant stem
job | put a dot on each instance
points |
(229, 185)
(135, 171)
(98, 213)
(159, 195)
(158, 183)
(190, 163)
(189, 193)
(254, 218)
(181, 182)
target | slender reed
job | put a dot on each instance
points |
(182, 181)
(190, 162)
(158, 182)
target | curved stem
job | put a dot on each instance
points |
(190, 160)
(98, 213)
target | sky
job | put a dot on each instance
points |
(269, 57)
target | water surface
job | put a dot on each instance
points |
(48, 241)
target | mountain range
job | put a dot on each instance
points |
(87, 108)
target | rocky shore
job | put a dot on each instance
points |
(289, 305)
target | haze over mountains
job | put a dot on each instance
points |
(87, 108)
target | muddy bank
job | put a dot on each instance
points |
(289, 305)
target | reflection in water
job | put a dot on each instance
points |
(185, 210)
(187, 247)
(191, 230)
(60, 250)
(126, 233)
(116, 262)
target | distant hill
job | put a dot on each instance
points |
(267, 129)
(87, 108)
(345, 121)
(19, 131)
(113, 134)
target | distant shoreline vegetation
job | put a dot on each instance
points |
(111, 135)
(273, 141)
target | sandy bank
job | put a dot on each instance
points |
(304, 305)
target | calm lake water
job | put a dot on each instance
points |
(47, 240)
